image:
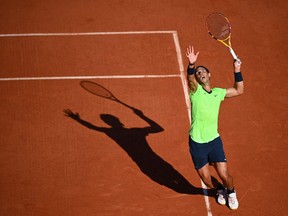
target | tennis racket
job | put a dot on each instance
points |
(101, 91)
(219, 28)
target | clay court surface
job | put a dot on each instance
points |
(53, 165)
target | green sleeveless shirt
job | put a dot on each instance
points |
(204, 112)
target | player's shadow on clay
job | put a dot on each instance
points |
(133, 141)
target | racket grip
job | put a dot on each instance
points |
(233, 53)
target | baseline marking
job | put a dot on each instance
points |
(85, 33)
(89, 77)
(187, 99)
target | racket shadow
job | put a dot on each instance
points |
(101, 91)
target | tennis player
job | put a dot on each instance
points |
(204, 140)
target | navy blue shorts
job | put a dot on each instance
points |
(203, 153)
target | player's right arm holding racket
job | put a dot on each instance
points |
(238, 87)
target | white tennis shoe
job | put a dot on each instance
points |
(221, 197)
(232, 201)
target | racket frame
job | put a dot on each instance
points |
(227, 41)
(85, 84)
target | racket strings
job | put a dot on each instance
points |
(218, 26)
(97, 89)
(101, 92)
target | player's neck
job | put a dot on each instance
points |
(206, 86)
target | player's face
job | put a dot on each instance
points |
(202, 75)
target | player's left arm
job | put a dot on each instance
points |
(238, 87)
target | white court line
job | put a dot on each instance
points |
(187, 99)
(90, 77)
(182, 74)
(84, 33)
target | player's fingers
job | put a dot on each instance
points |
(192, 49)
(189, 51)
(238, 61)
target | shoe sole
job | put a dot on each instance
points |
(223, 204)
(233, 208)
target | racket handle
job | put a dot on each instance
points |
(233, 53)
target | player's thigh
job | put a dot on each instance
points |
(204, 172)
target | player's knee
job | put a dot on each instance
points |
(207, 181)
(226, 178)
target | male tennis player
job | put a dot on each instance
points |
(204, 140)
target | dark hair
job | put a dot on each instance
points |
(202, 67)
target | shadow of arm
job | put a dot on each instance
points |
(154, 127)
(76, 117)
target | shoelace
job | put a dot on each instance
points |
(232, 199)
